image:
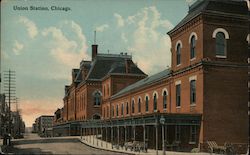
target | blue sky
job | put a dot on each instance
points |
(43, 46)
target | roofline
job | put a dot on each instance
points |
(123, 74)
(141, 87)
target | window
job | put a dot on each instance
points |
(146, 103)
(122, 109)
(139, 105)
(127, 108)
(178, 57)
(104, 90)
(192, 91)
(178, 95)
(220, 44)
(97, 99)
(192, 47)
(133, 107)
(164, 100)
(113, 111)
(155, 102)
(117, 110)
(178, 133)
(107, 111)
(104, 112)
(193, 133)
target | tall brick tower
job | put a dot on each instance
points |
(212, 41)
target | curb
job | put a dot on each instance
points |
(116, 151)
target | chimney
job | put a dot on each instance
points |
(94, 51)
(127, 65)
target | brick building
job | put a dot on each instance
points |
(202, 97)
(43, 124)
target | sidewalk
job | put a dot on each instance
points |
(97, 143)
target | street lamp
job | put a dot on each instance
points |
(162, 121)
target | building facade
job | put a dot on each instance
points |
(43, 124)
(202, 97)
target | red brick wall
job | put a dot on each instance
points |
(225, 105)
(236, 44)
(185, 50)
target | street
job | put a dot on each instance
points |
(33, 144)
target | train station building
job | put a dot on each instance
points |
(202, 97)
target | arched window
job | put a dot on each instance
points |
(192, 47)
(97, 98)
(139, 105)
(96, 116)
(107, 111)
(122, 109)
(146, 103)
(164, 100)
(117, 110)
(155, 102)
(220, 44)
(178, 54)
(127, 108)
(133, 107)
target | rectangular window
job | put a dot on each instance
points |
(177, 133)
(178, 95)
(193, 134)
(117, 110)
(192, 91)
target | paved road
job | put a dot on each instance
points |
(33, 144)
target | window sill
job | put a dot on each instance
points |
(97, 106)
(193, 59)
(178, 65)
(221, 56)
(179, 107)
(155, 110)
(193, 105)
(191, 142)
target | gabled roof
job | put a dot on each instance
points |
(238, 7)
(144, 82)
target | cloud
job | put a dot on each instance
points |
(30, 25)
(17, 47)
(124, 38)
(120, 21)
(67, 50)
(144, 34)
(190, 1)
(102, 27)
(31, 108)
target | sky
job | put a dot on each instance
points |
(42, 46)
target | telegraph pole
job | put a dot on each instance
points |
(10, 91)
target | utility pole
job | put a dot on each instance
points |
(10, 91)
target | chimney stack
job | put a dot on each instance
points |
(94, 51)
(127, 65)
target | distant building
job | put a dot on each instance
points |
(43, 123)
(3, 115)
(18, 125)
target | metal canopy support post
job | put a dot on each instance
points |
(156, 138)
(118, 136)
(106, 137)
(111, 137)
(134, 131)
(93, 134)
(96, 135)
(101, 137)
(125, 130)
(163, 139)
(144, 137)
